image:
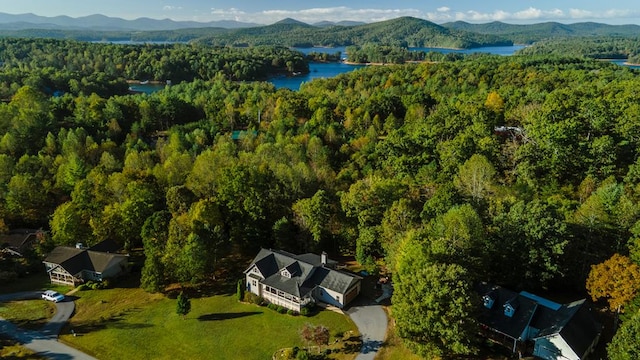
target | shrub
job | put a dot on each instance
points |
(106, 283)
(291, 312)
(288, 354)
(302, 355)
(253, 298)
(82, 287)
(281, 309)
(272, 306)
(304, 311)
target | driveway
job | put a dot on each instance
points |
(44, 341)
(371, 321)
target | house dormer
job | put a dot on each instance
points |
(290, 271)
(285, 273)
(489, 299)
(510, 307)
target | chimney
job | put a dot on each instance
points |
(323, 258)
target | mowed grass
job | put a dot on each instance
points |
(28, 314)
(10, 349)
(127, 323)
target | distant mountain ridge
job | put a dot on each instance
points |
(99, 22)
(527, 34)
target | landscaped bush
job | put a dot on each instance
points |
(272, 306)
(281, 309)
(303, 355)
(96, 285)
(291, 312)
(253, 299)
(308, 310)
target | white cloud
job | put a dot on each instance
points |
(171, 8)
(440, 15)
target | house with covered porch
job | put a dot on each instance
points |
(75, 265)
(293, 281)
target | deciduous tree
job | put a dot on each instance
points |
(616, 279)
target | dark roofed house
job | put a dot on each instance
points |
(74, 265)
(19, 239)
(556, 331)
(293, 281)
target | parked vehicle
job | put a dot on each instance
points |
(51, 295)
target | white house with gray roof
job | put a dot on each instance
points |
(293, 281)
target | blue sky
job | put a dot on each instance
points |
(266, 12)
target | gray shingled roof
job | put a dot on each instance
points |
(306, 272)
(75, 260)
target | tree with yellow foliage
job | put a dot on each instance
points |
(616, 279)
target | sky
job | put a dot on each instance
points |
(311, 11)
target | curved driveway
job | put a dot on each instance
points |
(44, 341)
(371, 321)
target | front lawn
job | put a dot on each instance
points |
(28, 314)
(128, 323)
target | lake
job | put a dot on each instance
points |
(327, 70)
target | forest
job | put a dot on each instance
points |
(593, 47)
(522, 171)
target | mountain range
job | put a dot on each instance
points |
(99, 22)
(404, 31)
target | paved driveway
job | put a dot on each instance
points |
(371, 321)
(44, 341)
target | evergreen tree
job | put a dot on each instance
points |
(184, 305)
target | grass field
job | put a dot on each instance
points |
(28, 314)
(11, 350)
(127, 323)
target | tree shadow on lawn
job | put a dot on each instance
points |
(226, 316)
(114, 322)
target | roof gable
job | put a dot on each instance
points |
(306, 272)
(75, 260)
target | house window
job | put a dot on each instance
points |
(254, 282)
(338, 298)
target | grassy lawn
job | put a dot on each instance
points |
(10, 349)
(28, 314)
(129, 323)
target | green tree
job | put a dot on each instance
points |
(432, 304)
(240, 290)
(625, 344)
(312, 214)
(183, 307)
(475, 177)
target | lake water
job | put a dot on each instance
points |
(326, 70)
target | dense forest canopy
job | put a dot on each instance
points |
(519, 170)
(71, 66)
(591, 47)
